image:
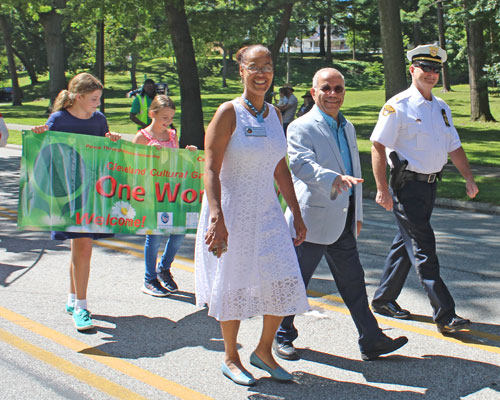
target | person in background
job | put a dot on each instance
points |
(4, 132)
(288, 110)
(307, 105)
(75, 111)
(141, 103)
(416, 131)
(283, 100)
(245, 263)
(158, 281)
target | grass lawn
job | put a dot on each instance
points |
(481, 141)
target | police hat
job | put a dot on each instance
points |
(430, 53)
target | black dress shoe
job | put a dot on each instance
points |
(455, 324)
(391, 309)
(285, 350)
(384, 345)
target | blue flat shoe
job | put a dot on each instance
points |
(243, 378)
(278, 373)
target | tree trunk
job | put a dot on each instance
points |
(328, 55)
(278, 40)
(476, 49)
(322, 51)
(287, 60)
(392, 46)
(16, 90)
(54, 42)
(99, 59)
(30, 68)
(192, 127)
(416, 33)
(442, 44)
(282, 30)
(132, 70)
(354, 36)
(224, 66)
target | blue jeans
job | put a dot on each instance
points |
(151, 247)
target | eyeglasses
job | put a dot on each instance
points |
(252, 69)
(428, 68)
(328, 89)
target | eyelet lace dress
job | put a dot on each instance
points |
(259, 274)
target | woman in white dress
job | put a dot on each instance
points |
(245, 261)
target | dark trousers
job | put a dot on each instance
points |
(343, 259)
(415, 244)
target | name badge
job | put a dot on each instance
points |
(257, 131)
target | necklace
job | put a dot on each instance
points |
(258, 115)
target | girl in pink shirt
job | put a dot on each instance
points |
(158, 281)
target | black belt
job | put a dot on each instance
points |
(416, 176)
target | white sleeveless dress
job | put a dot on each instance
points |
(260, 273)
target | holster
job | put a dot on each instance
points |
(398, 171)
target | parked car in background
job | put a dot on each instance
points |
(5, 95)
(161, 88)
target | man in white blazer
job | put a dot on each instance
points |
(326, 172)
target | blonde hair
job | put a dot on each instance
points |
(80, 84)
(161, 101)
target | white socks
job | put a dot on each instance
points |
(80, 304)
(71, 299)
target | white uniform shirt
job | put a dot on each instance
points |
(419, 130)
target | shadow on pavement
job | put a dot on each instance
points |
(435, 373)
(309, 386)
(138, 336)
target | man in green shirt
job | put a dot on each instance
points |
(141, 103)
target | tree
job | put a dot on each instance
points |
(476, 50)
(51, 18)
(192, 127)
(442, 44)
(392, 46)
(282, 31)
(16, 90)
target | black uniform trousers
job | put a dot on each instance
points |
(343, 259)
(415, 244)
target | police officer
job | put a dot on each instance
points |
(418, 128)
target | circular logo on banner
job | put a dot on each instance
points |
(59, 170)
(164, 218)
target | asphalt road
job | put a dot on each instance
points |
(162, 348)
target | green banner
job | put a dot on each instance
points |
(83, 183)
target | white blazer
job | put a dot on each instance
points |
(315, 162)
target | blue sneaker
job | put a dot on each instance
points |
(69, 309)
(82, 320)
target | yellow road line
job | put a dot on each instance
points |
(140, 254)
(82, 374)
(8, 216)
(386, 321)
(8, 210)
(118, 364)
(345, 311)
(422, 331)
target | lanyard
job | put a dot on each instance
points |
(258, 115)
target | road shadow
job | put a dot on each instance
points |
(442, 377)
(310, 386)
(27, 248)
(139, 336)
